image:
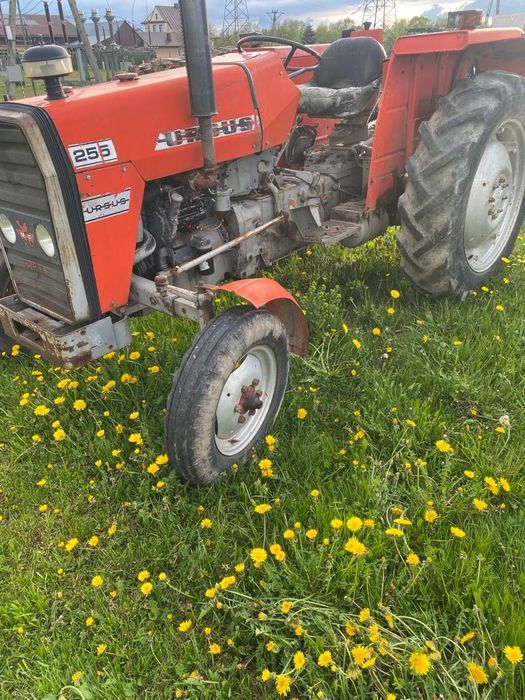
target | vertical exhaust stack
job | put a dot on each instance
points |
(200, 78)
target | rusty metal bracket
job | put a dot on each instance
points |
(162, 296)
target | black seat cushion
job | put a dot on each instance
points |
(351, 62)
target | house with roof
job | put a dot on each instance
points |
(163, 31)
(34, 29)
(127, 37)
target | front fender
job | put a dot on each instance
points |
(262, 292)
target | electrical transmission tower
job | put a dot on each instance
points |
(236, 18)
(381, 13)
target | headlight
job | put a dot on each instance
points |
(7, 229)
(45, 241)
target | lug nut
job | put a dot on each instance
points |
(242, 419)
(255, 381)
(238, 408)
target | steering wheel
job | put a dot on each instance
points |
(294, 46)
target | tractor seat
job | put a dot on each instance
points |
(346, 80)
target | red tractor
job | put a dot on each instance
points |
(155, 193)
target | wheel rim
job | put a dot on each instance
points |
(245, 400)
(496, 196)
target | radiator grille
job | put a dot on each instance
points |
(39, 279)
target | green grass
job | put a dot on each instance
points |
(354, 446)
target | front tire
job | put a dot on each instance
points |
(227, 392)
(464, 201)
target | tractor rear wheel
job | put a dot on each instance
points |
(464, 201)
(227, 392)
(6, 288)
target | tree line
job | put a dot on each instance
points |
(326, 32)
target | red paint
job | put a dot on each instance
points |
(267, 293)
(421, 68)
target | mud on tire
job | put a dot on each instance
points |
(441, 177)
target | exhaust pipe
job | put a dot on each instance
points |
(200, 79)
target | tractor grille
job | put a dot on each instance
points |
(39, 279)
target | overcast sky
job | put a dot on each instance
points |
(314, 10)
(299, 9)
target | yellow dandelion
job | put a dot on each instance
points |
(364, 615)
(41, 410)
(354, 524)
(513, 654)
(325, 659)
(420, 663)
(444, 446)
(413, 559)
(282, 684)
(71, 544)
(185, 626)
(457, 532)
(477, 673)
(258, 555)
(263, 508)
(394, 532)
(479, 504)
(354, 546)
(146, 588)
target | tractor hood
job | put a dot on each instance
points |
(148, 121)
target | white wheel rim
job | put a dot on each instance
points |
(496, 196)
(237, 422)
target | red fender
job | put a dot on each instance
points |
(264, 292)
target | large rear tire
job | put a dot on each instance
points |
(227, 392)
(464, 201)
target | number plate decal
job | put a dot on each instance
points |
(86, 155)
(105, 205)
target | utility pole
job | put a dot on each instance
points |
(85, 41)
(11, 49)
(275, 16)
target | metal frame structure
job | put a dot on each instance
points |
(236, 18)
(381, 13)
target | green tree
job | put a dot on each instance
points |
(309, 35)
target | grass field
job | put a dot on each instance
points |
(394, 547)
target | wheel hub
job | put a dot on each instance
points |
(245, 400)
(250, 400)
(495, 197)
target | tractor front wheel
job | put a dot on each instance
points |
(227, 392)
(464, 201)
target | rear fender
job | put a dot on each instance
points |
(262, 292)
